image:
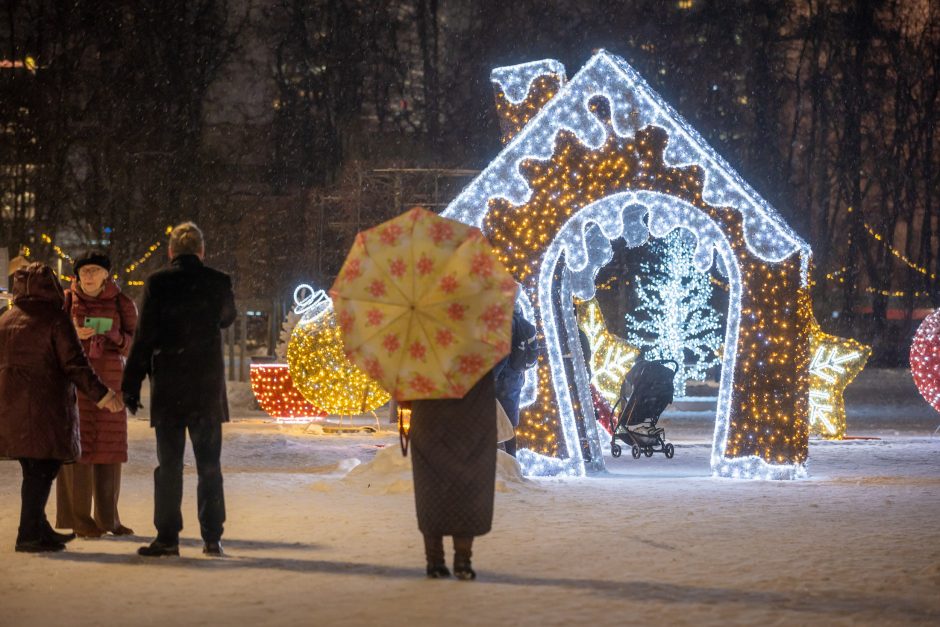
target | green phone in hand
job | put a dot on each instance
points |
(100, 325)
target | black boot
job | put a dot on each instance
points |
(159, 548)
(42, 545)
(52, 535)
(434, 553)
(462, 552)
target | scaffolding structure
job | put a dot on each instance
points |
(365, 198)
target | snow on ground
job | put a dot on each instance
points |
(322, 531)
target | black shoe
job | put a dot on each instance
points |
(43, 545)
(437, 571)
(213, 549)
(159, 549)
(54, 536)
(462, 570)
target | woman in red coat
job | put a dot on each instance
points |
(105, 320)
(41, 362)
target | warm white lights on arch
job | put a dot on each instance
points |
(582, 239)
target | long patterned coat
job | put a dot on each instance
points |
(453, 449)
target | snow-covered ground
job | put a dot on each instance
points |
(321, 531)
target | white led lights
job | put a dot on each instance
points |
(583, 241)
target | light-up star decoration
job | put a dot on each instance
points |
(834, 363)
(611, 356)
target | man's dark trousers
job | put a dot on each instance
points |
(206, 436)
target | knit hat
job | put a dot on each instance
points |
(95, 258)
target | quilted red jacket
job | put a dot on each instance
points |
(104, 433)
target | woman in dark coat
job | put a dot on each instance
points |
(97, 475)
(453, 457)
(41, 362)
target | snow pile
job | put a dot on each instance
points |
(388, 473)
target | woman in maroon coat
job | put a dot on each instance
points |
(96, 300)
(41, 362)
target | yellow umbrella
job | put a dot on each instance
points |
(425, 305)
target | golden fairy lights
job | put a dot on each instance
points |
(324, 375)
(276, 394)
(611, 356)
(770, 391)
(514, 116)
(58, 251)
(834, 363)
(150, 250)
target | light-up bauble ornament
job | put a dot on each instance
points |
(925, 359)
(611, 356)
(320, 369)
(834, 363)
(276, 394)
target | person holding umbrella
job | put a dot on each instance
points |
(426, 307)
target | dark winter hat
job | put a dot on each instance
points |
(94, 258)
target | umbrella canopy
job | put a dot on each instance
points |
(425, 305)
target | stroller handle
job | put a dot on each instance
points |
(675, 364)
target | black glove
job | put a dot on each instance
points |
(131, 402)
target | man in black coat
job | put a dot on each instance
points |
(178, 343)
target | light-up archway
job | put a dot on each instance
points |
(577, 155)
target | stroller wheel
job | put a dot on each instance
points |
(636, 452)
(648, 451)
(669, 450)
(615, 450)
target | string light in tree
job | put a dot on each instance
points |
(835, 363)
(925, 359)
(674, 317)
(605, 158)
(143, 258)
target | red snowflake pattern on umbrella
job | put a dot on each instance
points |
(397, 268)
(391, 343)
(448, 284)
(345, 320)
(425, 265)
(469, 364)
(418, 351)
(444, 337)
(373, 368)
(374, 317)
(440, 232)
(377, 288)
(481, 265)
(494, 317)
(456, 311)
(422, 384)
(353, 270)
(390, 234)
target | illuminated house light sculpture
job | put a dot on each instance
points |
(602, 157)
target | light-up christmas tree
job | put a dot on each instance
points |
(675, 318)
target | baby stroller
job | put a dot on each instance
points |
(636, 422)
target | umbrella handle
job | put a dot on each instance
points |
(402, 436)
